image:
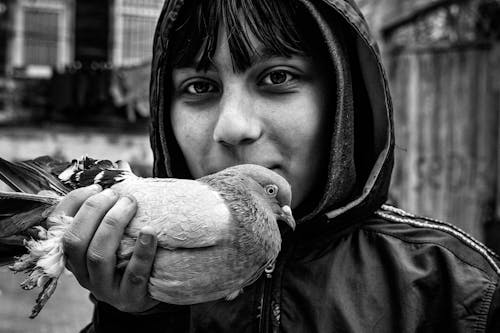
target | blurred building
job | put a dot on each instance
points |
(91, 49)
(40, 36)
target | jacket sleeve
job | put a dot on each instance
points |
(162, 318)
(493, 323)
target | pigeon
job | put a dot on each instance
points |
(216, 234)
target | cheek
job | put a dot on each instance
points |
(316, 123)
(193, 135)
(181, 127)
(306, 140)
(305, 129)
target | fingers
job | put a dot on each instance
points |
(134, 283)
(74, 200)
(78, 236)
(101, 254)
(91, 242)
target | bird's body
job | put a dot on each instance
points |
(215, 234)
(199, 216)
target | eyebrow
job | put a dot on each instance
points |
(263, 54)
(260, 54)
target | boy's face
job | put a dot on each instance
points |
(273, 114)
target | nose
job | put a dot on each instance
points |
(238, 122)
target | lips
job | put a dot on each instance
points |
(278, 170)
(271, 166)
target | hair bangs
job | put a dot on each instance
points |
(279, 25)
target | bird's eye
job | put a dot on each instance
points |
(271, 190)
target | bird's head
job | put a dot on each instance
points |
(273, 187)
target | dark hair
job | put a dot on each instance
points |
(282, 26)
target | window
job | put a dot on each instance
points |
(134, 29)
(153, 4)
(42, 33)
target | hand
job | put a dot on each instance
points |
(90, 245)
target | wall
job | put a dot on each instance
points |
(67, 143)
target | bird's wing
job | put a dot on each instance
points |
(185, 213)
(33, 176)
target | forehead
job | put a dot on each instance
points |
(248, 32)
(222, 56)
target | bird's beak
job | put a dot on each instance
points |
(287, 217)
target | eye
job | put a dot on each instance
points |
(277, 77)
(271, 190)
(200, 87)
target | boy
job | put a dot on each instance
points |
(296, 86)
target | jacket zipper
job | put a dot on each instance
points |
(266, 299)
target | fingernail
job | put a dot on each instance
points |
(126, 200)
(145, 239)
(95, 188)
(109, 192)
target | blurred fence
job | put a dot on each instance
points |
(447, 100)
(447, 131)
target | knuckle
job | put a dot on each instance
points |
(74, 195)
(71, 241)
(112, 221)
(95, 257)
(102, 200)
(93, 203)
(78, 194)
(143, 255)
(136, 279)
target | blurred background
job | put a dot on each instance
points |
(74, 78)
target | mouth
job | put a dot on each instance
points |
(273, 167)
(286, 216)
(279, 170)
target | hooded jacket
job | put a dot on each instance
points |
(353, 264)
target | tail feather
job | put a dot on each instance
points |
(10, 248)
(23, 215)
(21, 211)
(34, 176)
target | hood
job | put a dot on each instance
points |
(363, 107)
